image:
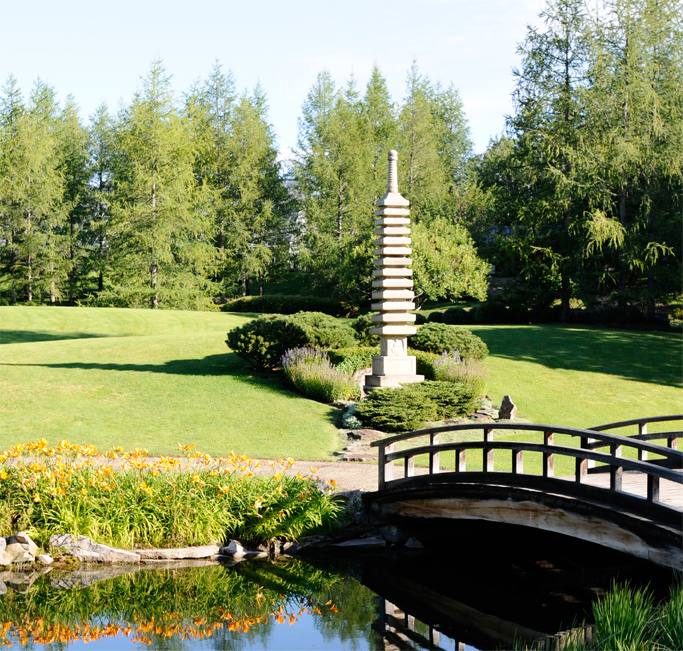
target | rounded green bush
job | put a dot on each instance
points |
(395, 410)
(441, 338)
(324, 331)
(353, 359)
(413, 405)
(264, 340)
(362, 326)
(284, 304)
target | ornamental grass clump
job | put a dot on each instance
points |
(449, 367)
(128, 500)
(310, 372)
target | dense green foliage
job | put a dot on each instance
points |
(629, 619)
(284, 304)
(582, 197)
(264, 340)
(310, 372)
(127, 500)
(413, 405)
(353, 359)
(442, 338)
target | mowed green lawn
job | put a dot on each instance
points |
(155, 379)
(146, 379)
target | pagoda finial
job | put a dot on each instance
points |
(392, 177)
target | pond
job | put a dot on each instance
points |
(458, 595)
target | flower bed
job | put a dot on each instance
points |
(128, 499)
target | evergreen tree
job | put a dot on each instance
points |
(636, 125)
(73, 152)
(32, 200)
(254, 198)
(160, 251)
(101, 164)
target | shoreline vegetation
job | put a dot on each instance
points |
(125, 499)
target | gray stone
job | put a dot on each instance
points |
(19, 553)
(508, 409)
(23, 538)
(233, 549)
(88, 551)
(5, 558)
(176, 553)
(368, 542)
(3, 587)
(45, 559)
(413, 543)
(392, 534)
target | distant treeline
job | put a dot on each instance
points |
(184, 203)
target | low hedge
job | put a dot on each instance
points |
(264, 340)
(442, 338)
(351, 360)
(412, 405)
(285, 304)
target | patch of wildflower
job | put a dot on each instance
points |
(133, 500)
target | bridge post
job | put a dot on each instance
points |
(434, 457)
(615, 472)
(385, 469)
(642, 454)
(548, 457)
(487, 454)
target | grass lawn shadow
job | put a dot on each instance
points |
(29, 336)
(211, 365)
(635, 355)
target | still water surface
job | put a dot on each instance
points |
(457, 596)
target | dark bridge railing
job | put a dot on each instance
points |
(669, 437)
(613, 452)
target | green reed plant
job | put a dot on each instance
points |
(311, 372)
(623, 618)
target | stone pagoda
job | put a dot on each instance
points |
(392, 288)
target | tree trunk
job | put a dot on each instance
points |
(29, 258)
(565, 295)
(621, 264)
(153, 268)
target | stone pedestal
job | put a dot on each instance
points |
(392, 286)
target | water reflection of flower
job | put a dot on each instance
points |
(170, 625)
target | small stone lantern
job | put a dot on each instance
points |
(392, 289)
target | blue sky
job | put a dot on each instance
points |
(98, 51)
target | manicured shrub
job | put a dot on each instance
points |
(424, 363)
(442, 338)
(324, 331)
(284, 304)
(264, 340)
(412, 405)
(420, 318)
(396, 410)
(362, 326)
(451, 398)
(453, 316)
(351, 360)
(310, 372)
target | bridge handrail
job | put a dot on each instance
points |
(614, 439)
(521, 446)
(636, 421)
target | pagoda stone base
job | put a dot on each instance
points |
(373, 382)
(392, 371)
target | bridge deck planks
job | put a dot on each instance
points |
(670, 494)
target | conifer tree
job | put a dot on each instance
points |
(160, 233)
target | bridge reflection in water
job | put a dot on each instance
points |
(625, 492)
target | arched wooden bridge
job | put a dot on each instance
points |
(624, 492)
